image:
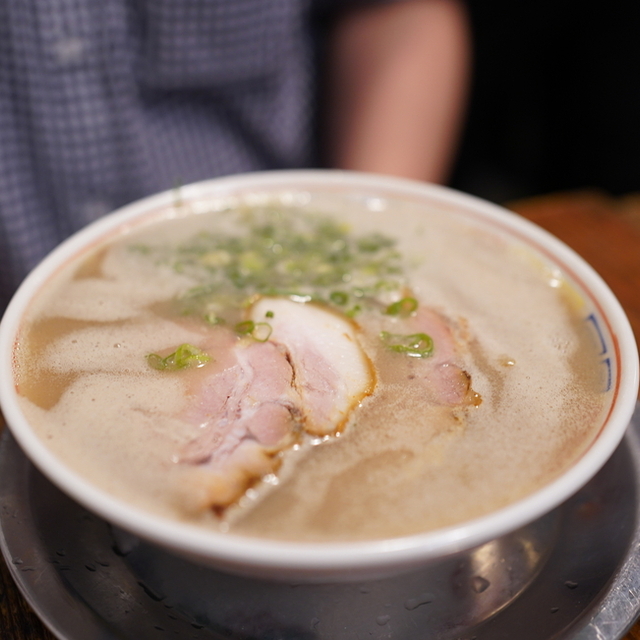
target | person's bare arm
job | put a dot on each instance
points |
(396, 88)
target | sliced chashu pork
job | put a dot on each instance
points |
(440, 378)
(332, 372)
(307, 377)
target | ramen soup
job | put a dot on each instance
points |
(303, 372)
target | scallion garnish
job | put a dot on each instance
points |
(260, 331)
(186, 355)
(245, 328)
(212, 318)
(416, 345)
(339, 297)
(402, 308)
(270, 251)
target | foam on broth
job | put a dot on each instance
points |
(401, 466)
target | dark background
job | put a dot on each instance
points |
(555, 101)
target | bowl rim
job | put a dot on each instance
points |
(257, 555)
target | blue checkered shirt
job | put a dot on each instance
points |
(105, 101)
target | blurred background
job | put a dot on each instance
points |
(125, 98)
(555, 101)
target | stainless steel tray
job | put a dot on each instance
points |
(88, 581)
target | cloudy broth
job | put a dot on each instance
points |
(407, 458)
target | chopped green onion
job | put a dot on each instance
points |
(245, 328)
(339, 297)
(212, 319)
(268, 314)
(402, 308)
(374, 242)
(260, 331)
(280, 252)
(416, 345)
(186, 355)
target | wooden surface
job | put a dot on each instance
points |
(605, 231)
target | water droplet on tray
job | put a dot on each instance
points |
(154, 595)
(414, 603)
(479, 584)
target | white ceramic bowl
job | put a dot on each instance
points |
(356, 560)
